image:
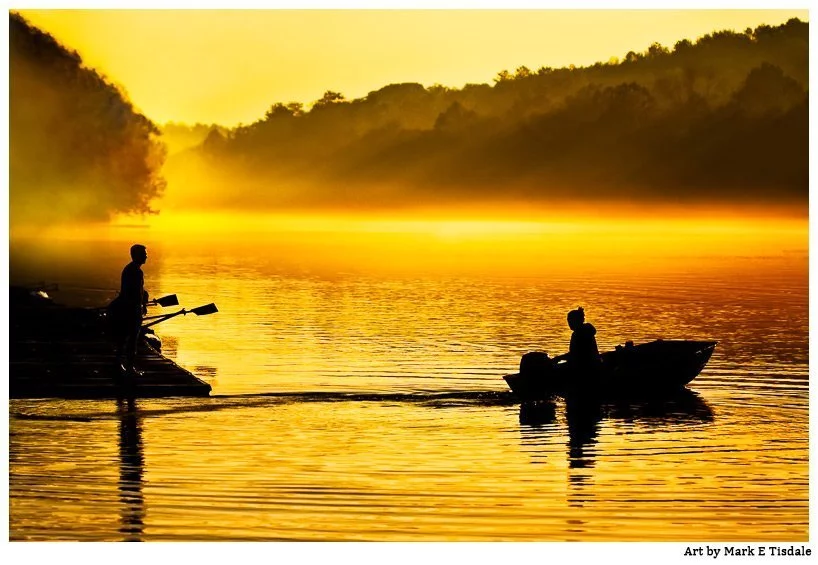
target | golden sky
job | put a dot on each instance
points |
(218, 66)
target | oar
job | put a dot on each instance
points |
(200, 311)
(169, 300)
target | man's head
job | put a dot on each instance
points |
(576, 318)
(139, 254)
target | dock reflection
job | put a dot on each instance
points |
(131, 468)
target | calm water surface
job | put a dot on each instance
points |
(358, 396)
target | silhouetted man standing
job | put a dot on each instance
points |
(129, 307)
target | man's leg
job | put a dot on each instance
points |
(131, 345)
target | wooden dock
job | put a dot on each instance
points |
(60, 352)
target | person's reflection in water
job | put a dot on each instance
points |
(130, 471)
(583, 416)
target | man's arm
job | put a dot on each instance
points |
(559, 358)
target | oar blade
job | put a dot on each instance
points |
(204, 310)
(169, 300)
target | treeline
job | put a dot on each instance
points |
(78, 150)
(722, 117)
(179, 137)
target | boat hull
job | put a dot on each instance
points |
(654, 367)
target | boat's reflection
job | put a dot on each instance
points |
(131, 465)
(584, 414)
(540, 423)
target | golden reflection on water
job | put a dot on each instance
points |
(391, 470)
(358, 392)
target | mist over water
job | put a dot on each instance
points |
(358, 392)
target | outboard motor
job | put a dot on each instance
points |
(536, 363)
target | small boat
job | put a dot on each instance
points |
(33, 311)
(58, 351)
(649, 368)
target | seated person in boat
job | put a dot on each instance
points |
(583, 353)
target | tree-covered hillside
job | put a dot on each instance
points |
(719, 118)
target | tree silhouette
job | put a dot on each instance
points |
(78, 150)
(330, 97)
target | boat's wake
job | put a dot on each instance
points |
(685, 403)
(487, 397)
(90, 410)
